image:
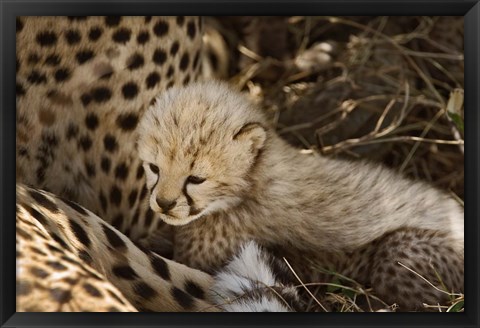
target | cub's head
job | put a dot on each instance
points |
(198, 145)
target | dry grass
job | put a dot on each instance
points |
(389, 89)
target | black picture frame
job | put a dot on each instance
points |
(9, 9)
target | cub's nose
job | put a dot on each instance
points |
(165, 204)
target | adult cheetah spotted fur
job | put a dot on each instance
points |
(83, 83)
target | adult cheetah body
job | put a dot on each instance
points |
(83, 83)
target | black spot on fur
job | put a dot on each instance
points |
(184, 61)
(56, 265)
(83, 56)
(143, 37)
(135, 61)
(213, 60)
(113, 21)
(73, 37)
(121, 171)
(124, 272)
(180, 20)
(22, 151)
(36, 77)
(77, 18)
(105, 164)
(101, 94)
(144, 290)
(159, 56)
(80, 233)
(161, 28)
(49, 138)
(148, 19)
(55, 249)
(85, 257)
(170, 71)
(43, 201)
(110, 143)
(60, 241)
(46, 39)
(33, 58)
(95, 33)
(72, 131)
(37, 250)
(22, 233)
(75, 206)
(140, 172)
(160, 267)
(39, 273)
(36, 214)
(127, 122)
(191, 30)
(196, 59)
(132, 197)
(185, 300)
(60, 295)
(85, 143)
(91, 121)
(152, 80)
(19, 90)
(122, 35)
(23, 288)
(195, 290)
(52, 60)
(115, 196)
(62, 74)
(148, 217)
(86, 99)
(113, 238)
(90, 167)
(174, 48)
(92, 290)
(130, 90)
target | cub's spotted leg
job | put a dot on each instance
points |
(147, 281)
(430, 255)
(393, 266)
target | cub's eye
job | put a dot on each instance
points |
(195, 180)
(154, 168)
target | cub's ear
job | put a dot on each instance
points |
(252, 133)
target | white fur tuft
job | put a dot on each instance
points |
(248, 273)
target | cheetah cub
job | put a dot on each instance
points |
(219, 173)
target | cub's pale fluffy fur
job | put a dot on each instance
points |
(213, 161)
(197, 130)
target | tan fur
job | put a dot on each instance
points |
(97, 263)
(258, 187)
(60, 151)
(82, 85)
(75, 138)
